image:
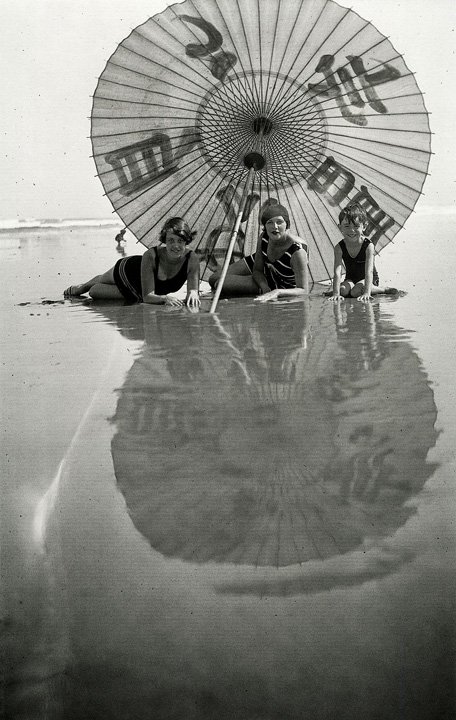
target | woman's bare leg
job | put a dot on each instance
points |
(237, 268)
(105, 291)
(382, 290)
(346, 288)
(358, 290)
(239, 286)
(106, 278)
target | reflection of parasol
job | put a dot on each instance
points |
(212, 107)
(331, 463)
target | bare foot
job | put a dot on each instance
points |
(74, 291)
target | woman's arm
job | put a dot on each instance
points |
(148, 280)
(192, 300)
(337, 273)
(368, 274)
(258, 275)
(299, 266)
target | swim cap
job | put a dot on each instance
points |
(271, 211)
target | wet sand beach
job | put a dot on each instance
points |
(247, 515)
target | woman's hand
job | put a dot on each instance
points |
(266, 297)
(193, 302)
(365, 298)
(173, 301)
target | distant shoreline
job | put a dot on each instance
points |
(33, 224)
(15, 225)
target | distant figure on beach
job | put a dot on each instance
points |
(355, 254)
(152, 277)
(120, 236)
(277, 269)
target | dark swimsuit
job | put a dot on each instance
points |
(127, 276)
(279, 274)
(355, 266)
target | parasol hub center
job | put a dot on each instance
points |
(262, 125)
(254, 160)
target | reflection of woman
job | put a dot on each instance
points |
(279, 266)
(230, 421)
(258, 443)
(152, 277)
(385, 409)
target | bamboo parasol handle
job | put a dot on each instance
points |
(233, 237)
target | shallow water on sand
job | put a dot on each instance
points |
(247, 515)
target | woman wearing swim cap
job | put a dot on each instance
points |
(279, 266)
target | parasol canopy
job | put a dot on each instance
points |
(304, 99)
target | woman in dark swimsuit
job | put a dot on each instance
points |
(355, 253)
(279, 266)
(152, 277)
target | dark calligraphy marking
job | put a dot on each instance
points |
(378, 222)
(145, 163)
(369, 80)
(344, 90)
(220, 62)
(337, 183)
(332, 180)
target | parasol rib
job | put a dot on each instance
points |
(162, 51)
(233, 69)
(288, 72)
(347, 64)
(176, 186)
(309, 77)
(278, 99)
(242, 24)
(303, 101)
(249, 97)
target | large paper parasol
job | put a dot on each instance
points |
(213, 107)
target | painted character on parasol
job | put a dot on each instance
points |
(153, 277)
(277, 269)
(355, 253)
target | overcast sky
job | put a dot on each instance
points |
(53, 51)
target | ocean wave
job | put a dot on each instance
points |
(14, 224)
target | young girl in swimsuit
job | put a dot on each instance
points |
(356, 254)
(152, 277)
(279, 266)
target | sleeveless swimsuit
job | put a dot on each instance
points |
(355, 266)
(279, 274)
(127, 276)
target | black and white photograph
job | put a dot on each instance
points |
(228, 409)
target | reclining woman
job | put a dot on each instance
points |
(277, 269)
(152, 277)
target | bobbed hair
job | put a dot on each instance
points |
(354, 214)
(179, 227)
